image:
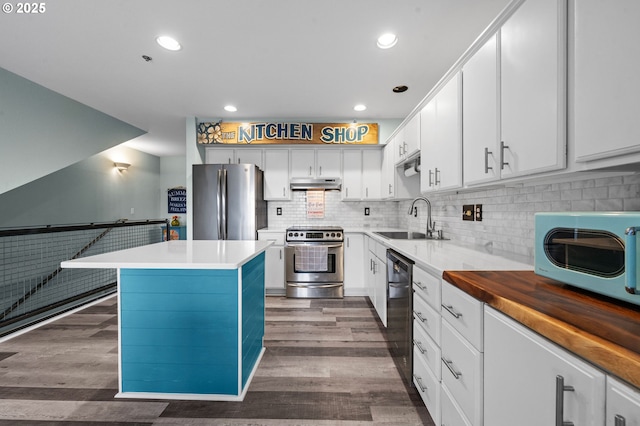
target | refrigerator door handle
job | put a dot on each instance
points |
(224, 205)
(219, 203)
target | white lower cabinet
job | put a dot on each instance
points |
(623, 404)
(274, 261)
(427, 384)
(376, 273)
(530, 381)
(450, 411)
(354, 280)
(462, 373)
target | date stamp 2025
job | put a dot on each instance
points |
(24, 8)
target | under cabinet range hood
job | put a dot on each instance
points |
(328, 184)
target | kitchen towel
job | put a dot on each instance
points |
(311, 258)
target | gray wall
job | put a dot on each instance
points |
(42, 131)
(89, 191)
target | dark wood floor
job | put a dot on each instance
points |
(326, 363)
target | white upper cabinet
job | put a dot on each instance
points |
(533, 89)
(371, 170)
(315, 163)
(408, 140)
(606, 83)
(481, 141)
(352, 175)
(234, 156)
(441, 139)
(328, 163)
(276, 174)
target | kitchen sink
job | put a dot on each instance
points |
(404, 235)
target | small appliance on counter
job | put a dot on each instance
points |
(228, 202)
(591, 250)
(314, 262)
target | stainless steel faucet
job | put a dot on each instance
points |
(431, 226)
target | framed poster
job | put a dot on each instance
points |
(177, 200)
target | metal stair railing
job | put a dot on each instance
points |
(32, 284)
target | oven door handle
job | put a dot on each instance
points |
(315, 286)
(316, 244)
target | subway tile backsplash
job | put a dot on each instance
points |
(507, 223)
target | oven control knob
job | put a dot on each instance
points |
(333, 234)
(291, 234)
(338, 235)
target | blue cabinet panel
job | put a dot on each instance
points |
(252, 314)
(179, 331)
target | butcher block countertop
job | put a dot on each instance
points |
(603, 331)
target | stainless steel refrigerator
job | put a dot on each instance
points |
(228, 202)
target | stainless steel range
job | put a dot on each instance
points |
(314, 262)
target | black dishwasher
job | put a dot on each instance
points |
(400, 312)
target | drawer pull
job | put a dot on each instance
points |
(560, 390)
(419, 346)
(420, 317)
(619, 420)
(420, 286)
(449, 364)
(450, 309)
(422, 387)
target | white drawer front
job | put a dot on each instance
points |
(462, 372)
(277, 237)
(427, 286)
(450, 412)
(622, 402)
(427, 385)
(427, 318)
(464, 313)
(426, 349)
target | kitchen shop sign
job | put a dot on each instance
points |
(288, 133)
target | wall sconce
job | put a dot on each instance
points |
(121, 166)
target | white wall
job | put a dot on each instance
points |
(508, 223)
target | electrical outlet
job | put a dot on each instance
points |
(279, 211)
(468, 212)
(366, 211)
(478, 212)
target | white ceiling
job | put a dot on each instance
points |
(284, 59)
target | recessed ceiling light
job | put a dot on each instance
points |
(400, 89)
(168, 43)
(360, 107)
(230, 108)
(386, 41)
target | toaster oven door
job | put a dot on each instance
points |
(593, 252)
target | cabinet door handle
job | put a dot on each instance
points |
(423, 388)
(419, 346)
(389, 188)
(452, 311)
(280, 254)
(430, 181)
(320, 170)
(420, 286)
(284, 193)
(619, 421)
(399, 150)
(347, 242)
(560, 390)
(502, 148)
(419, 316)
(486, 160)
(366, 191)
(310, 170)
(449, 364)
(437, 181)
(346, 193)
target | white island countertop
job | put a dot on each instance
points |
(176, 254)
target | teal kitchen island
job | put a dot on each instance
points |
(190, 317)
